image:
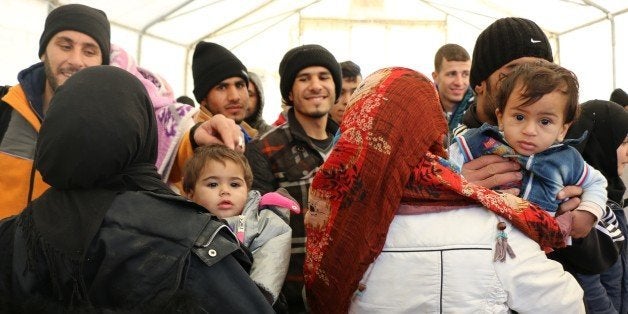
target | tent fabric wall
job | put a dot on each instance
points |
(373, 33)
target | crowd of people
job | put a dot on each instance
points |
(488, 188)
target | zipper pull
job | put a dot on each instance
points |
(240, 228)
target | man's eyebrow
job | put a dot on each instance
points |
(71, 41)
(64, 38)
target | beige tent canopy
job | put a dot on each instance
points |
(589, 37)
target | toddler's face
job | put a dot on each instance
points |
(533, 128)
(221, 189)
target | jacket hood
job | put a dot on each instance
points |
(257, 115)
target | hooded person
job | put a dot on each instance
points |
(109, 234)
(606, 124)
(254, 113)
(392, 228)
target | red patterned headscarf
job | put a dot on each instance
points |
(390, 153)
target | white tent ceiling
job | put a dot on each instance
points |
(588, 37)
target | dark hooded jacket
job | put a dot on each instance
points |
(606, 124)
(109, 235)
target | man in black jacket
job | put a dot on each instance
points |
(289, 155)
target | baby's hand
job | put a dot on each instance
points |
(583, 222)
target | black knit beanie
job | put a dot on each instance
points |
(212, 64)
(80, 18)
(302, 57)
(505, 40)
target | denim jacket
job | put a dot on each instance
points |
(544, 173)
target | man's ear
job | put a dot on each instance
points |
(479, 89)
(434, 76)
(204, 104)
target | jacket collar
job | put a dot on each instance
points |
(297, 130)
(33, 80)
(470, 118)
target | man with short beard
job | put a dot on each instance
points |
(221, 85)
(289, 155)
(75, 37)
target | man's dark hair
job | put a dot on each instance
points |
(185, 100)
(451, 52)
(620, 97)
(350, 71)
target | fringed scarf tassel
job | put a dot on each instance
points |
(501, 246)
(55, 261)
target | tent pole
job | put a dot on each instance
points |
(140, 36)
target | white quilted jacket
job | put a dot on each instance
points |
(443, 263)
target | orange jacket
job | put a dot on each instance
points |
(17, 149)
(185, 150)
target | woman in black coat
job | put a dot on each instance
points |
(606, 124)
(109, 234)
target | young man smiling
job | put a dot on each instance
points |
(289, 155)
(452, 65)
